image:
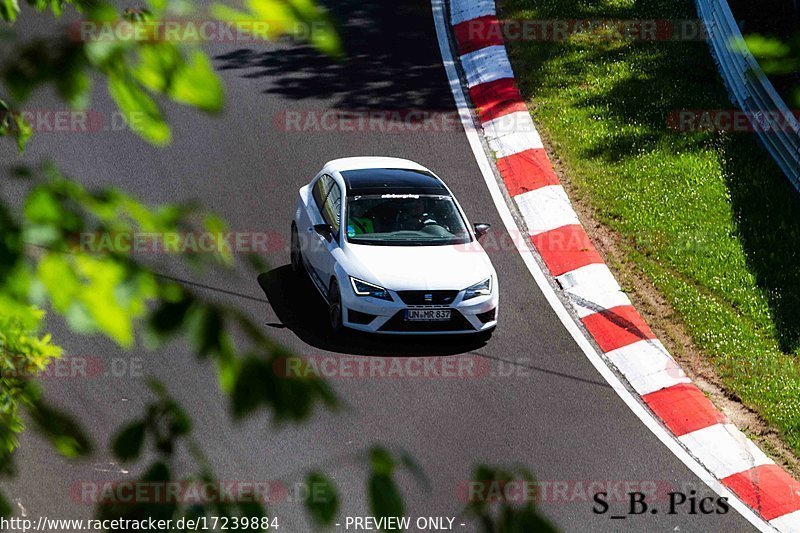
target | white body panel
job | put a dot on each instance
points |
(396, 268)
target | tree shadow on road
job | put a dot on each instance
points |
(300, 308)
(391, 61)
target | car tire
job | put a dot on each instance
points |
(335, 311)
(296, 255)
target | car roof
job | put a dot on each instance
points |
(355, 163)
(368, 181)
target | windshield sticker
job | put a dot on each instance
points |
(400, 196)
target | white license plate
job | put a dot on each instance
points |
(427, 315)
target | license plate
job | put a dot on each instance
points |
(427, 315)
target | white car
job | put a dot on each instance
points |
(391, 251)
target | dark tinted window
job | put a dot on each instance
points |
(333, 207)
(363, 182)
(321, 189)
(405, 220)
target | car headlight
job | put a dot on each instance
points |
(484, 288)
(362, 288)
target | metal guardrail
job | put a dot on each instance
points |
(749, 88)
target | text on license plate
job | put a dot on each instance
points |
(427, 315)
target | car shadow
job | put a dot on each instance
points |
(300, 308)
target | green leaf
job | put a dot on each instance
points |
(191, 81)
(13, 124)
(384, 496)
(205, 327)
(382, 461)
(24, 131)
(761, 46)
(196, 84)
(324, 36)
(322, 501)
(180, 424)
(227, 373)
(128, 443)
(169, 316)
(5, 508)
(270, 19)
(139, 109)
(57, 6)
(80, 319)
(61, 430)
(9, 9)
(247, 392)
(251, 507)
(42, 207)
(257, 262)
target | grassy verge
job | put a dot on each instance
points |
(706, 217)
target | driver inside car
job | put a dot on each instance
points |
(415, 216)
(359, 226)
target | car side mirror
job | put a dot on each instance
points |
(481, 229)
(324, 230)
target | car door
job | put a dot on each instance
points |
(325, 208)
(331, 214)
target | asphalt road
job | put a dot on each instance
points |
(543, 405)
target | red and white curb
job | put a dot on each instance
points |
(735, 464)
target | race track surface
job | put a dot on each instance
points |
(543, 405)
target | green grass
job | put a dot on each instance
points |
(706, 217)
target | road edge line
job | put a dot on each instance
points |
(635, 403)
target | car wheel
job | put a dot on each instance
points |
(296, 255)
(335, 307)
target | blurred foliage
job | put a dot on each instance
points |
(108, 293)
(13, 125)
(294, 18)
(500, 515)
(45, 262)
(166, 425)
(139, 70)
(775, 56)
(321, 500)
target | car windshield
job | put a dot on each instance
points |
(405, 220)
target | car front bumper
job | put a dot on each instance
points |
(373, 315)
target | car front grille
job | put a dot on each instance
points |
(427, 297)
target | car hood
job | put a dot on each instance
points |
(401, 268)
